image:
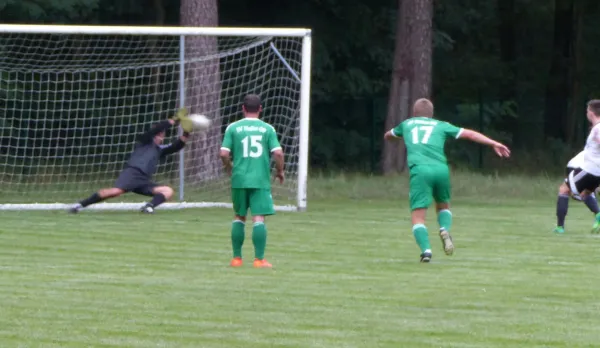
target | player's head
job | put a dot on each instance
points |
(251, 105)
(423, 108)
(593, 110)
(160, 137)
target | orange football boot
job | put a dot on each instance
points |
(262, 264)
(236, 262)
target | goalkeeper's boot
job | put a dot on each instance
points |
(147, 209)
(75, 209)
(236, 262)
(262, 264)
(447, 241)
(559, 230)
(596, 226)
(426, 256)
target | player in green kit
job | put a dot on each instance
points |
(425, 138)
(251, 142)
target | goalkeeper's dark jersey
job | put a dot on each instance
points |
(147, 153)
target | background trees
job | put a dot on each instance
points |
(520, 70)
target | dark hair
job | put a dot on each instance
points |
(252, 103)
(594, 106)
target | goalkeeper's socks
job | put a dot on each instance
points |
(93, 199)
(592, 204)
(562, 206)
(259, 239)
(157, 200)
(445, 219)
(422, 237)
(238, 234)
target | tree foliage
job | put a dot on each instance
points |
(55, 11)
(517, 68)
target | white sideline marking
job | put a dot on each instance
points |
(130, 206)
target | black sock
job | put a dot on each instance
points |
(562, 206)
(592, 204)
(157, 200)
(95, 198)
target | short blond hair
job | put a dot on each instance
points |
(594, 106)
(423, 107)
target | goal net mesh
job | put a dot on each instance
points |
(72, 107)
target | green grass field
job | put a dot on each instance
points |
(346, 274)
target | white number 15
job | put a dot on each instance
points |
(252, 148)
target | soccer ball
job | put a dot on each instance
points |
(200, 122)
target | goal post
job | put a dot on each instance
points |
(73, 100)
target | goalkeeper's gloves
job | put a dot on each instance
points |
(180, 114)
(186, 124)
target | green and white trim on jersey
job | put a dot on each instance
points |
(272, 150)
(400, 136)
(250, 119)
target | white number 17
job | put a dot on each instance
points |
(425, 138)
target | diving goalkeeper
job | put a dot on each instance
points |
(136, 177)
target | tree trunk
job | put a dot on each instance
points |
(203, 89)
(420, 42)
(411, 73)
(394, 152)
(557, 89)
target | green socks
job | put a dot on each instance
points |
(237, 237)
(445, 219)
(422, 237)
(259, 239)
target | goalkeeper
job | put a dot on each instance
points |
(136, 177)
(424, 138)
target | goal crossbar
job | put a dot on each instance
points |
(274, 62)
(146, 30)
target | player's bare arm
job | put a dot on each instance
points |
(279, 164)
(226, 159)
(500, 149)
(389, 136)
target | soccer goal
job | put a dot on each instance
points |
(73, 99)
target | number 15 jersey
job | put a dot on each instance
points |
(425, 139)
(250, 142)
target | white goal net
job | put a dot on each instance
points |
(73, 100)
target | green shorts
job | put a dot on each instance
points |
(259, 201)
(427, 182)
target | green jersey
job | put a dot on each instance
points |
(250, 142)
(425, 138)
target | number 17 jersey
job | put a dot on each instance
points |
(425, 139)
(250, 142)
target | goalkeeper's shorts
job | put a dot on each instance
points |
(134, 180)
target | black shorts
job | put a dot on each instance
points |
(579, 180)
(133, 180)
(567, 171)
